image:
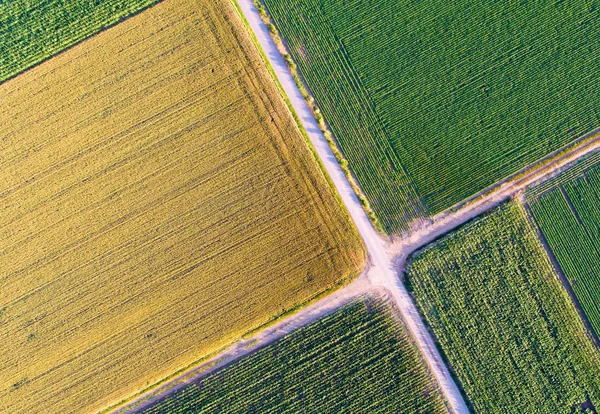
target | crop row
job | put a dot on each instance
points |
(349, 111)
(433, 101)
(32, 31)
(503, 319)
(355, 360)
(574, 171)
(158, 201)
(569, 217)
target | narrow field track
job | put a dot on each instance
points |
(382, 271)
(388, 257)
(358, 359)
(270, 334)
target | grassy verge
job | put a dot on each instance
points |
(310, 100)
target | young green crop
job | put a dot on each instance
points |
(432, 101)
(356, 360)
(31, 31)
(503, 319)
(577, 169)
(568, 215)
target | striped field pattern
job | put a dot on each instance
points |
(503, 319)
(578, 169)
(357, 360)
(34, 30)
(157, 200)
(568, 215)
(433, 101)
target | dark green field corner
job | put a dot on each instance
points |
(32, 31)
(358, 359)
(503, 320)
(568, 215)
(433, 101)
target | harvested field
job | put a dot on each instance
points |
(504, 321)
(433, 101)
(568, 215)
(358, 359)
(31, 31)
(157, 201)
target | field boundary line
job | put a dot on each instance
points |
(557, 269)
(251, 343)
(78, 42)
(384, 271)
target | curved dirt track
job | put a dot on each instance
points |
(386, 259)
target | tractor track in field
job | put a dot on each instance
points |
(387, 257)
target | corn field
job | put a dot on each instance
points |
(503, 320)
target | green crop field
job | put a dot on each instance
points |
(503, 320)
(31, 31)
(568, 214)
(573, 171)
(356, 360)
(432, 101)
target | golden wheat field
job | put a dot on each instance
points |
(157, 200)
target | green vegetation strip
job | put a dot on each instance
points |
(316, 111)
(356, 360)
(569, 217)
(576, 170)
(433, 101)
(32, 31)
(503, 319)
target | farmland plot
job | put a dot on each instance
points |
(568, 215)
(157, 201)
(31, 31)
(503, 319)
(358, 359)
(433, 101)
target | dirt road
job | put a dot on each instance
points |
(383, 271)
(485, 200)
(317, 310)
(386, 259)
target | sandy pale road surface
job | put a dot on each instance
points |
(317, 310)
(383, 271)
(386, 260)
